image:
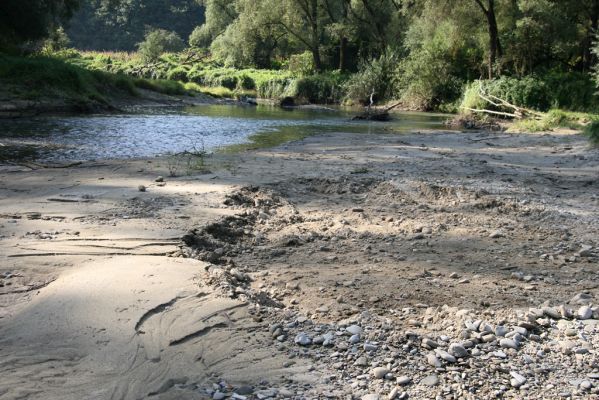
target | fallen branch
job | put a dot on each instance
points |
(505, 114)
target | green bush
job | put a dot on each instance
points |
(592, 131)
(567, 91)
(158, 42)
(301, 64)
(161, 86)
(246, 82)
(178, 74)
(373, 77)
(322, 88)
(572, 91)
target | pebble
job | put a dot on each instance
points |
(517, 379)
(141, 188)
(445, 355)
(586, 385)
(303, 339)
(354, 330)
(370, 347)
(361, 362)
(431, 344)
(433, 360)
(371, 397)
(380, 372)
(508, 344)
(431, 380)
(584, 312)
(218, 395)
(501, 330)
(403, 380)
(458, 350)
(354, 339)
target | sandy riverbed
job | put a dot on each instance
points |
(113, 293)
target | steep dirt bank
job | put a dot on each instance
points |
(342, 266)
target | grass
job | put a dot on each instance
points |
(586, 122)
(555, 119)
(64, 77)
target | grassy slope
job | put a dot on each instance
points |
(52, 80)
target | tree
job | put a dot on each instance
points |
(495, 50)
(26, 20)
(158, 42)
(122, 24)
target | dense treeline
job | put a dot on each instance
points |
(430, 54)
(121, 25)
(422, 50)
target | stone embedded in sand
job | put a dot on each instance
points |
(218, 395)
(159, 179)
(445, 355)
(403, 380)
(458, 350)
(586, 251)
(431, 380)
(433, 360)
(379, 372)
(517, 379)
(508, 344)
(141, 188)
(584, 312)
(496, 235)
(303, 339)
(354, 330)
(371, 397)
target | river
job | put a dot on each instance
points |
(166, 131)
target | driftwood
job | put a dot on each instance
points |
(382, 115)
(516, 111)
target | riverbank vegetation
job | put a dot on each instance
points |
(429, 55)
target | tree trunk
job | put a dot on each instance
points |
(495, 50)
(588, 58)
(315, 35)
(342, 54)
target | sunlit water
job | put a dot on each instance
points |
(162, 132)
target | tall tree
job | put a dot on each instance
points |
(23, 20)
(495, 50)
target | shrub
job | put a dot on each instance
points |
(301, 64)
(246, 82)
(322, 88)
(373, 77)
(158, 42)
(592, 131)
(178, 74)
(161, 86)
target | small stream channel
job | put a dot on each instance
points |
(159, 132)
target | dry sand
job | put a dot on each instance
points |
(106, 294)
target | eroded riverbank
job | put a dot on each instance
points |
(309, 270)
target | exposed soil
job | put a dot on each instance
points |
(442, 237)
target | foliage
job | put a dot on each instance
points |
(122, 24)
(375, 77)
(553, 90)
(158, 42)
(592, 131)
(50, 77)
(25, 20)
(323, 88)
(301, 64)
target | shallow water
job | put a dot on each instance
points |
(170, 131)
